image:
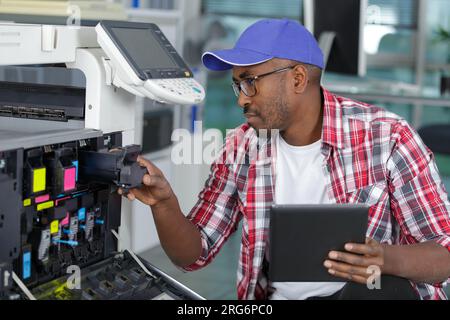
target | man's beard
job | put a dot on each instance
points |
(275, 110)
(275, 118)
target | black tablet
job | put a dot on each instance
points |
(301, 236)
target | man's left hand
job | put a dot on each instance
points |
(353, 265)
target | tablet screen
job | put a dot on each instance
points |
(301, 236)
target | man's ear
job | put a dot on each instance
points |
(301, 78)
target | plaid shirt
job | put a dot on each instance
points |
(372, 156)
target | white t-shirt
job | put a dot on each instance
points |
(300, 180)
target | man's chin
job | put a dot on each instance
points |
(259, 125)
(256, 126)
(262, 131)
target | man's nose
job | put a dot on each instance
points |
(243, 100)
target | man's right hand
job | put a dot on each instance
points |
(155, 188)
(179, 237)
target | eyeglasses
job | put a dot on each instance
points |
(248, 84)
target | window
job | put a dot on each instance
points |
(390, 35)
(271, 9)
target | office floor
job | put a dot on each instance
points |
(216, 281)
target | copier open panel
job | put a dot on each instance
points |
(55, 218)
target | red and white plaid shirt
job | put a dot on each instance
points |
(372, 156)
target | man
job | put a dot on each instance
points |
(329, 150)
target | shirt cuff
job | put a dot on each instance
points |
(444, 241)
(202, 260)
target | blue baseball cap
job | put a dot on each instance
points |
(267, 39)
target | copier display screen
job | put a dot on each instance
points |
(144, 48)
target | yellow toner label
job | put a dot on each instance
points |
(27, 202)
(39, 179)
(44, 205)
(54, 226)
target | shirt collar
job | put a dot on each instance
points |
(332, 128)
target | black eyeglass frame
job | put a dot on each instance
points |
(240, 86)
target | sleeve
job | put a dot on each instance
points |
(419, 200)
(216, 213)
